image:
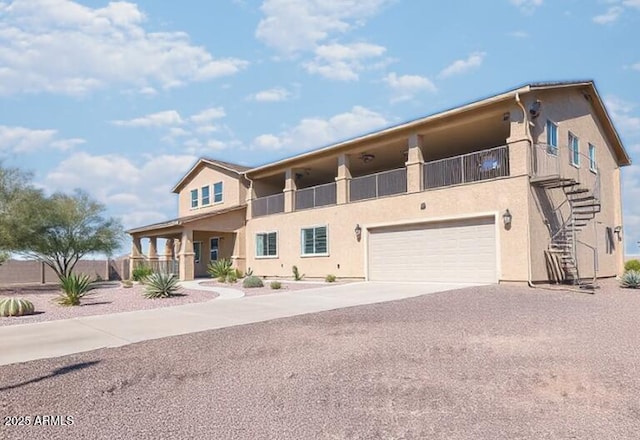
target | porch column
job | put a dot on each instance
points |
(187, 256)
(238, 255)
(168, 249)
(136, 258)
(153, 252)
(414, 164)
(289, 190)
(518, 143)
(343, 179)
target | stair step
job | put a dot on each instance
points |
(581, 199)
(577, 191)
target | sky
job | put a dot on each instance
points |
(120, 99)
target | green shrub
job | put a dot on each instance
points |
(221, 269)
(252, 281)
(232, 277)
(330, 278)
(74, 288)
(239, 274)
(296, 274)
(127, 283)
(630, 279)
(275, 285)
(161, 285)
(632, 265)
(141, 272)
(15, 307)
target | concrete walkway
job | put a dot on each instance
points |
(20, 343)
(223, 292)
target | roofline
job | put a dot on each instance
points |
(510, 94)
(198, 162)
(182, 220)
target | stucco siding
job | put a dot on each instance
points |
(206, 176)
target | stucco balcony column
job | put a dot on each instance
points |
(414, 164)
(187, 256)
(343, 179)
(249, 199)
(136, 258)
(289, 190)
(518, 144)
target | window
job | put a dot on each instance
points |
(574, 150)
(314, 241)
(194, 198)
(266, 244)
(215, 244)
(205, 196)
(593, 166)
(197, 250)
(552, 138)
(217, 192)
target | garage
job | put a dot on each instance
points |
(447, 251)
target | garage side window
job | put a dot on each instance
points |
(267, 244)
(314, 241)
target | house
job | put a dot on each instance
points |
(523, 186)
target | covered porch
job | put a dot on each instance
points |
(190, 243)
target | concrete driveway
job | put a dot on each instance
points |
(20, 343)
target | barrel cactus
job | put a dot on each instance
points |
(15, 307)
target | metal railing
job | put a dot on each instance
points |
(315, 196)
(467, 168)
(376, 185)
(267, 205)
(548, 161)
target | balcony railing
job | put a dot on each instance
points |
(315, 196)
(267, 205)
(377, 185)
(467, 168)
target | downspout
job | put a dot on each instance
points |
(530, 139)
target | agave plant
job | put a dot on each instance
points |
(221, 269)
(74, 288)
(15, 307)
(630, 279)
(161, 285)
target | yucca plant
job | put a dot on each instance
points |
(252, 281)
(249, 272)
(74, 288)
(296, 274)
(15, 307)
(221, 269)
(630, 279)
(161, 285)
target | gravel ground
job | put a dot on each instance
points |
(287, 286)
(108, 299)
(494, 362)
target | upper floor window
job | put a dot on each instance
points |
(574, 149)
(217, 192)
(315, 241)
(593, 166)
(266, 244)
(194, 198)
(205, 196)
(552, 137)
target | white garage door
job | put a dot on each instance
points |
(453, 251)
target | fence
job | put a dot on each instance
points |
(267, 205)
(321, 195)
(19, 272)
(376, 185)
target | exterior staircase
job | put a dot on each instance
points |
(579, 208)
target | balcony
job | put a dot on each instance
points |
(315, 196)
(376, 185)
(467, 168)
(268, 205)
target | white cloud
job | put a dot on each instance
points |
(275, 94)
(314, 132)
(138, 192)
(159, 119)
(405, 87)
(611, 15)
(519, 34)
(342, 62)
(621, 112)
(208, 115)
(462, 66)
(292, 26)
(27, 140)
(63, 47)
(527, 6)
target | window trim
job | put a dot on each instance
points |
(213, 191)
(195, 200)
(267, 257)
(195, 254)
(554, 150)
(324, 254)
(202, 196)
(593, 163)
(217, 248)
(574, 151)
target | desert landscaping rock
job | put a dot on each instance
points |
(491, 362)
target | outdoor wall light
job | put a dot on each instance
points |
(506, 218)
(358, 231)
(618, 231)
